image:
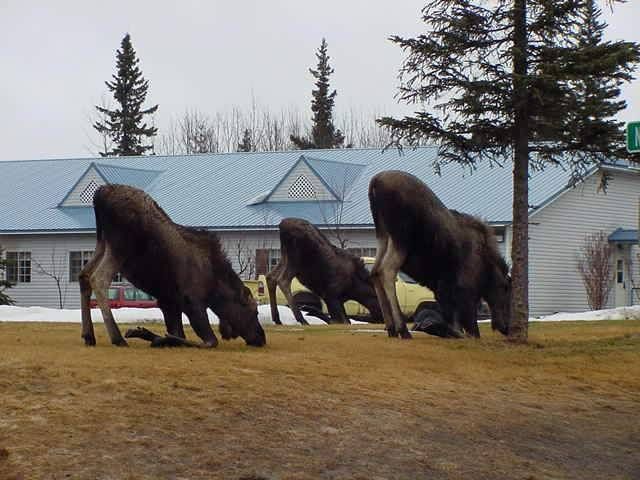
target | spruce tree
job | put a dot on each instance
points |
(124, 125)
(246, 144)
(323, 132)
(4, 284)
(519, 79)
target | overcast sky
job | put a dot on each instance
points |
(208, 55)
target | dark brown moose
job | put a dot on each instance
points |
(332, 273)
(453, 254)
(184, 268)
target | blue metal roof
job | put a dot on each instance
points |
(621, 235)
(215, 190)
(337, 176)
(136, 177)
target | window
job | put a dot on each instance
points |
(88, 193)
(620, 271)
(18, 267)
(302, 188)
(273, 258)
(363, 252)
(77, 260)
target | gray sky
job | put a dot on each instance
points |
(208, 55)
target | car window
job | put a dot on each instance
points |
(129, 294)
(113, 294)
(406, 278)
(140, 295)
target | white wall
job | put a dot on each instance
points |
(52, 252)
(557, 231)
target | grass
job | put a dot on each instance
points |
(323, 403)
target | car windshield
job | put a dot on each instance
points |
(140, 295)
(112, 294)
(406, 278)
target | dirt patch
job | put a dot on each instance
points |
(323, 403)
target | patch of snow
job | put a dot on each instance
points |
(620, 313)
(10, 313)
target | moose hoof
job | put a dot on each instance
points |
(120, 342)
(89, 340)
(405, 335)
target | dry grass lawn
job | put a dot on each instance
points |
(323, 403)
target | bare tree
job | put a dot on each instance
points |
(594, 265)
(56, 271)
(245, 259)
(332, 211)
(99, 141)
(361, 130)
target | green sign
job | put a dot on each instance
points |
(633, 137)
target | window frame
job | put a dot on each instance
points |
(19, 270)
(273, 258)
(74, 276)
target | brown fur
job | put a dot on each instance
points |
(452, 253)
(332, 273)
(184, 268)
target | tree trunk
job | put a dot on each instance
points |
(518, 329)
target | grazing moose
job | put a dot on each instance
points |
(184, 268)
(453, 254)
(332, 273)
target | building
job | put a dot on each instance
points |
(47, 227)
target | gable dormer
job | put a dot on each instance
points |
(81, 194)
(314, 179)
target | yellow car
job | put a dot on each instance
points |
(414, 299)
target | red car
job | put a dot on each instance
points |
(127, 296)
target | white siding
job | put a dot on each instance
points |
(52, 253)
(557, 231)
(74, 199)
(281, 194)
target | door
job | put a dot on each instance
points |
(621, 280)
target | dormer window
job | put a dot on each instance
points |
(96, 175)
(88, 193)
(302, 188)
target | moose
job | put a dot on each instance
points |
(332, 273)
(452, 253)
(184, 268)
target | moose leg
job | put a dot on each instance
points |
(100, 280)
(160, 342)
(468, 312)
(88, 333)
(285, 286)
(390, 266)
(173, 320)
(376, 278)
(272, 283)
(336, 311)
(200, 323)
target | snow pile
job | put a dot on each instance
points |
(135, 315)
(620, 313)
(141, 315)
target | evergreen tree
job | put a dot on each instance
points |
(4, 284)
(511, 78)
(246, 144)
(323, 132)
(124, 125)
